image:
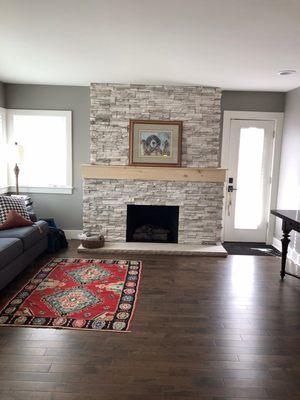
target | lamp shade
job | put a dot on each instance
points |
(16, 153)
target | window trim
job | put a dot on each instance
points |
(40, 189)
(66, 189)
(3, 112)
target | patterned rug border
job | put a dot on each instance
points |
(69, 327)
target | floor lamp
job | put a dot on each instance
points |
(17, 156)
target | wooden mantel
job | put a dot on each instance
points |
(96, 171)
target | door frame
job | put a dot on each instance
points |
(277, 118)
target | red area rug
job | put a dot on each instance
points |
(77, 294)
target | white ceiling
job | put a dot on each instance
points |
(234, 44)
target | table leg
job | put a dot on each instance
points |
(285, 244)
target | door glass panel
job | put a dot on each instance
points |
(249, 196)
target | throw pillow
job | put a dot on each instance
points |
(14, 220)
(8, 203)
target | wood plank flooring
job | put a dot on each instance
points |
(204, 328)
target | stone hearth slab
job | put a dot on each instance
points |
(157, 248)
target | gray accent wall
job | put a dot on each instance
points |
(253, 101)
(66, 209)
(2, 94)
(289, 181)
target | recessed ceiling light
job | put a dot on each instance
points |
(287, 72)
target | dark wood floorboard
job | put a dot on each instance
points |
(204, 328)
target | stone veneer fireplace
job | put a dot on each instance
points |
(106, 200)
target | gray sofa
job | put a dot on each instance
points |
(19, 247)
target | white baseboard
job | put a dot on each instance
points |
(276, 243)
(72, 234)
(293, 255)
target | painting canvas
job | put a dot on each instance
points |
(155, 143)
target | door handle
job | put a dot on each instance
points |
(230, 188)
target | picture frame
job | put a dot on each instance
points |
(155, 143)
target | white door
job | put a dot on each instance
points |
(247, 204)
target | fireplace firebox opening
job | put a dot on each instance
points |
(156, 224)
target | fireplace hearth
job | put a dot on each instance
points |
(156, 224)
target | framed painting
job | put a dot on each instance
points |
(155, 143)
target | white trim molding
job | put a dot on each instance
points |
(277, 118)
(4, 190)
(27, 189)
(72, 233)
(53, 190)
(3, 141)
(292, 255)
(276, 243)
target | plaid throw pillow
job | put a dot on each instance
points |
(8, 203)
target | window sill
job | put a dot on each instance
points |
(4, 190)
(49, 190)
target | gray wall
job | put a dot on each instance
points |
(2, 94)
(289, 182)
(67, 209)
(253, 101)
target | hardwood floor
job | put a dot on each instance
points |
(204, 328)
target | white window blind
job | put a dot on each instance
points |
(46, 141)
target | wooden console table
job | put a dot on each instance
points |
(290, 221)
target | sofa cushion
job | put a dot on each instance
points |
(10, 248)
(28, 234)
(14, 220)
(8, 203)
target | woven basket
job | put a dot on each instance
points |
(93, 243)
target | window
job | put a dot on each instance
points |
(3, 159)
(46, 141)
